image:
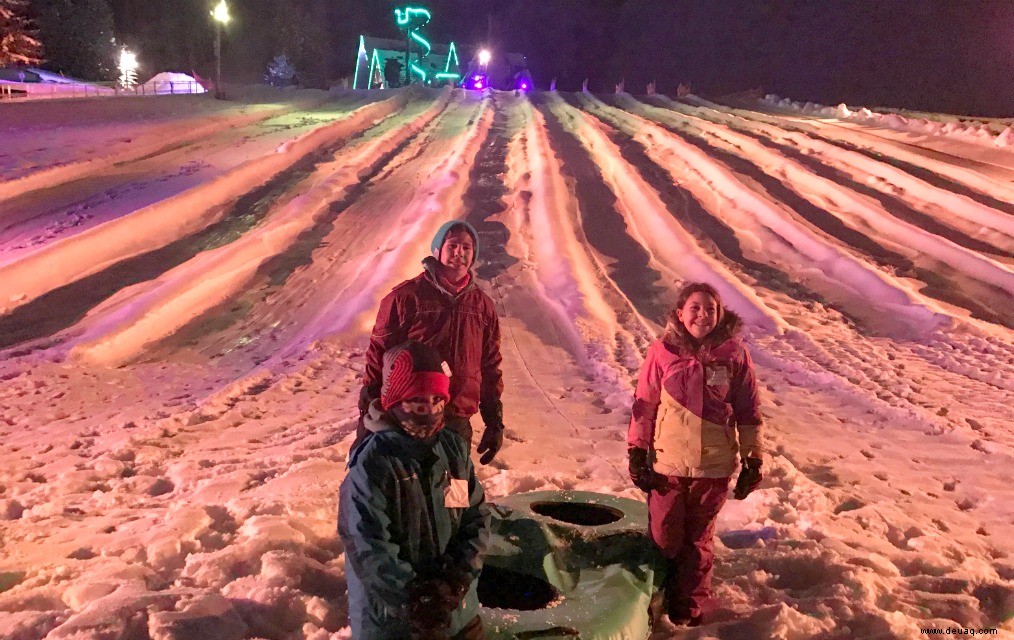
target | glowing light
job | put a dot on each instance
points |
(374, 69)
(410, 14)
(419, 71)
(221, 12)
(422, 41)
(484, 57)
(221, 16)
(452, 51)
(478, 81)
(359, 60)
(411, 19)
(128, 68)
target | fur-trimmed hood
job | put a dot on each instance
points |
(729, 326)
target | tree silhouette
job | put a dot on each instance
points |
(79, 37)
(18, 44)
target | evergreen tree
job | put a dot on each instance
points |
(18, 45)
(281, 73)
(304, 40)
(78, 35)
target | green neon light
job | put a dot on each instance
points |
(418, 70)
(404, 16)
(369, 76)
(445, 75)
(374, 64)
(411, 19)
(359, 57)
(421, 40)
(452, 52)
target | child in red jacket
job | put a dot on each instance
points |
(696, 393)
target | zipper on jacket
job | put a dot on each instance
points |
(431, 510)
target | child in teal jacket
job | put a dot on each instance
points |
(411, 512)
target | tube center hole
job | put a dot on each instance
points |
(592, 515)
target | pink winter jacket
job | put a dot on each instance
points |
(689, 407)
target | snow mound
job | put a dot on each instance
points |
(1006, 138)
(967, 130)
(169, 82)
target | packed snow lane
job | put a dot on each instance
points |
(769, 232)
(985, 142)
(931, 200)
(215, 276)
(924, 247)
(205, 216)
(599, 323)
(332, 279)
(121, 186)
(975, 179)
(674, 252)
(48, 143)
(192, 489)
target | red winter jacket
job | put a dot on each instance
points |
(463, 328)
(690, 406)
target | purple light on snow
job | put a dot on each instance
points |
(524, 86)
(478, 83)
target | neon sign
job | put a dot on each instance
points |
(411, 19)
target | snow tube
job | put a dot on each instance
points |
(568, 564)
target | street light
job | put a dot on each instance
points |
(484, 56)
(221, 16)
(128, 69)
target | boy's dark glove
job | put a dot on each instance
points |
(749, 478)
(490, 443)
(492, 437)
(642, 474)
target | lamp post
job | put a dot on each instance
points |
(221, 16)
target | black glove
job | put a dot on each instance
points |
(490, 443)
(365, 398)
(459, 580)
(492, 437)
(430, 605)
(749, 478)
(642, 474)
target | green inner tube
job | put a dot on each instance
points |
(569, 564)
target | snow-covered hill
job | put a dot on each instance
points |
(185, 297)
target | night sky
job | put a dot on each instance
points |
(943, 55)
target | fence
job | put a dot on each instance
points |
(47, 90)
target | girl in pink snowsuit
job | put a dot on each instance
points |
(695, 412)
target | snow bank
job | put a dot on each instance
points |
(969, 130)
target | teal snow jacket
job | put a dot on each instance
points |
(395, 527)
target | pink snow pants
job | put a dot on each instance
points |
(682, 524)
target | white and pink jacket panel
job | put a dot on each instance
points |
(697, 412)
